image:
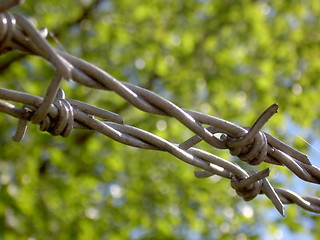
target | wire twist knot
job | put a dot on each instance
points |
(62, 124)
(250, 150)
(245, 188)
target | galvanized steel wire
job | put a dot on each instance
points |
(58, 115)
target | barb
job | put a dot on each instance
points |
(58, 115)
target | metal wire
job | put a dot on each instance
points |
(58, 115)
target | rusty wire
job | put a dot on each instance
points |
(58, 115)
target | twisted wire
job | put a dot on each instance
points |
(58, 115)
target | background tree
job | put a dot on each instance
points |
(231, 59)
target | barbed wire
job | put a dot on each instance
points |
(58, 115)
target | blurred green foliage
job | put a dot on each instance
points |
(231, 59)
